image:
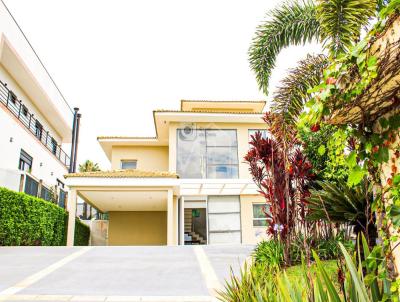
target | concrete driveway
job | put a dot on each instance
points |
(178, 273)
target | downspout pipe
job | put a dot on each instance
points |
(73, 142)
(78, 119)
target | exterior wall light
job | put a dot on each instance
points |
(11, 139)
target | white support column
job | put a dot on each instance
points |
(170, 217)
(182, 222)
(72, 196)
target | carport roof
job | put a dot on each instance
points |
(128, 173)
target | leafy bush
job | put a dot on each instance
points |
(26, 221)
(82, 233)
(353, 284)
(326, 249)
(269, 253)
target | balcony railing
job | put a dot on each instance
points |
(21, 112)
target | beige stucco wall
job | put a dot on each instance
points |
(137, 228)
(251, 234)
(242, 136)
(152, 158)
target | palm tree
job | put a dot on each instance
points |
(336, 24)
(89, 166)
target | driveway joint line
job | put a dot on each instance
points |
(212, 282)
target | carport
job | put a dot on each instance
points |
(142, 206)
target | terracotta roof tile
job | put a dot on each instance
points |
(134, 173)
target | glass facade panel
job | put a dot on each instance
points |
(191, 154)
(222, 155)
(205, 153)
(221, 138)
(222, 171)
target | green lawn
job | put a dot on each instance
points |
(296, 276)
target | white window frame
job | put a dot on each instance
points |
(127, 160)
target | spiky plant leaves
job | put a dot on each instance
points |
(293, 23)
(321, 273)
(355, 276)
(341, 21)
(338, 203)
(289, 99)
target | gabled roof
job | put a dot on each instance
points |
(129, 173)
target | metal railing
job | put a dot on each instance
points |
(21, 112)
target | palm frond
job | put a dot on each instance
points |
(341, 21)
(290, 97)
(293, 23)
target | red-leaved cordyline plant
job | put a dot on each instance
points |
(282, 174)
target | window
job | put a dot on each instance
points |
(207, 154)
(12, 97)
(128, 164)
(25, 111)
(31, 186)
(53, 146)
(264, 133)
(25, 161)
(259, 217)
(38, 130)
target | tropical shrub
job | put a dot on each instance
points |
(26, 220)
(269, 253)
(336, 202)
(351, 283)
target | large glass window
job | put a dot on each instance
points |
(207, 153)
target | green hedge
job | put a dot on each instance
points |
(26, 220)
(82, 233)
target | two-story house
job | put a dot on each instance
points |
(35, 119)
(187, 185)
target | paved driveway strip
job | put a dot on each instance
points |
(17, 263)
(179, 273)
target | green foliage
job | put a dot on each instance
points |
(26, 220)
(293, 23)
(325, 150)
(353, 280)
(269, 253)
(325, 248)
(336, 202)
(290, 97)
(341, 21)
(82, 233)
(89, 166)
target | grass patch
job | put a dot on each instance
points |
(295, 273)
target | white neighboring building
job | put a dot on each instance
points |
(35, 119)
